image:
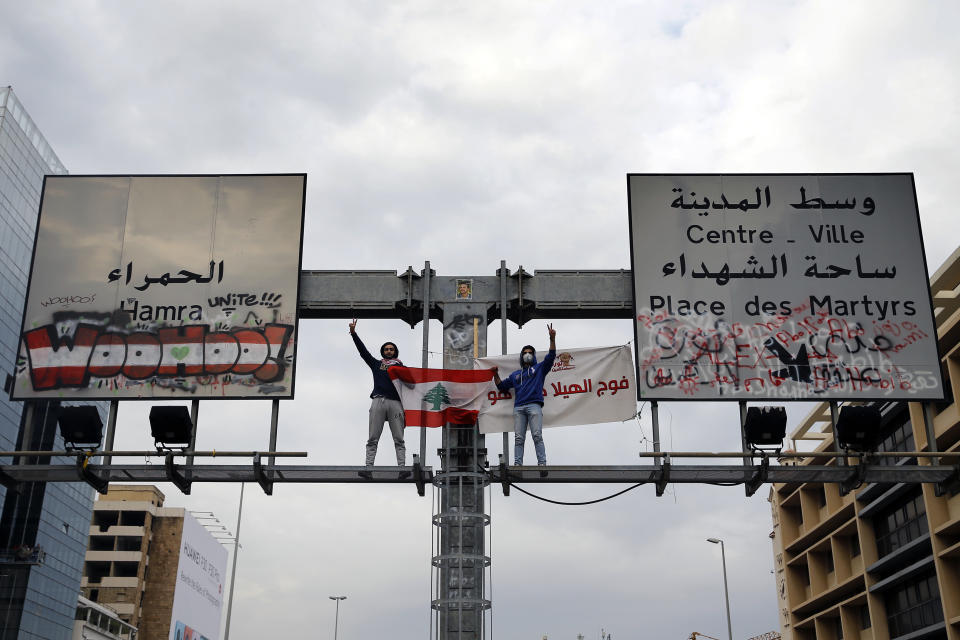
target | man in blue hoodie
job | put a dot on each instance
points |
(528, 397)
(385, 404)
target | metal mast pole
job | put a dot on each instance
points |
(233, 571)
(726, 592)
(462, 517)
(336, 618)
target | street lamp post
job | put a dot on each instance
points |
(336, 618)
(233, 571)
(726, 592)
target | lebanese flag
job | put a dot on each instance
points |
(433, 397)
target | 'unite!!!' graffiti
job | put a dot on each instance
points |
(70, 361)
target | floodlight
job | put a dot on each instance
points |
(858, 428)
(81, 427)
(171, 427)
(765, 426)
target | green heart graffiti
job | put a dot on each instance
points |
(179, 352)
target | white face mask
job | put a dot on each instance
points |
(528, 358)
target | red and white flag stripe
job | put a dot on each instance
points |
(433, 397)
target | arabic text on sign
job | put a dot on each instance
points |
(820, 203)
(723, 203)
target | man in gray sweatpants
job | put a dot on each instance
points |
(385, 402)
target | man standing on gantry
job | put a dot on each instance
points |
(385, 404)
(528, 397)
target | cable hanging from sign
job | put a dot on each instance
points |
(561, 502)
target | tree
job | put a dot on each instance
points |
(437, 395)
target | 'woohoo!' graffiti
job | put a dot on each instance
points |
(58, 361)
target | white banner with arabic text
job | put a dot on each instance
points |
(585, 386)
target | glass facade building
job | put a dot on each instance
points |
(44, 527)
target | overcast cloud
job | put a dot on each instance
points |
(466, 133)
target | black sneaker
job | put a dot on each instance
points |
(404, 475)
(366, 474)
(543, 472)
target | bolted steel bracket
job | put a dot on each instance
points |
(504, 478)
(174, 475)
(418, 475)
(855, 479)
(88, 476)
(950, 485)
(664, 478)
(759, 476)
(8, 482)
(265, 483)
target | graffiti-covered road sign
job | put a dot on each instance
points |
(781, 286)
(163, 287)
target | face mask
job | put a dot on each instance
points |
(528, 358)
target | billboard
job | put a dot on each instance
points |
(783, 286)
(163, 287)
(199, 591)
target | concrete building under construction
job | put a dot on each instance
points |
(132, 558)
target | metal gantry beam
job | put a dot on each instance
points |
(544, 294)
(563, 474)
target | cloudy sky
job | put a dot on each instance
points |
(466, 133)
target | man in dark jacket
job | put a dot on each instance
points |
(528, 397)
(385, 404)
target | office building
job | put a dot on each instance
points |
(121, 533)
(883, 561)
(141, 552)
(43, 528)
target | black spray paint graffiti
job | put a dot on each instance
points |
(458, 340)
(66, 301)
(192, 384)
(232, 301)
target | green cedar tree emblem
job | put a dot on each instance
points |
(437, 395)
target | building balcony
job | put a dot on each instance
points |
(117, 530)
(124, 505)
(122, 608)
(901, 557)
(910, 571)
(809, 535)
(830, 596)
(114, 556)
(111, 581)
